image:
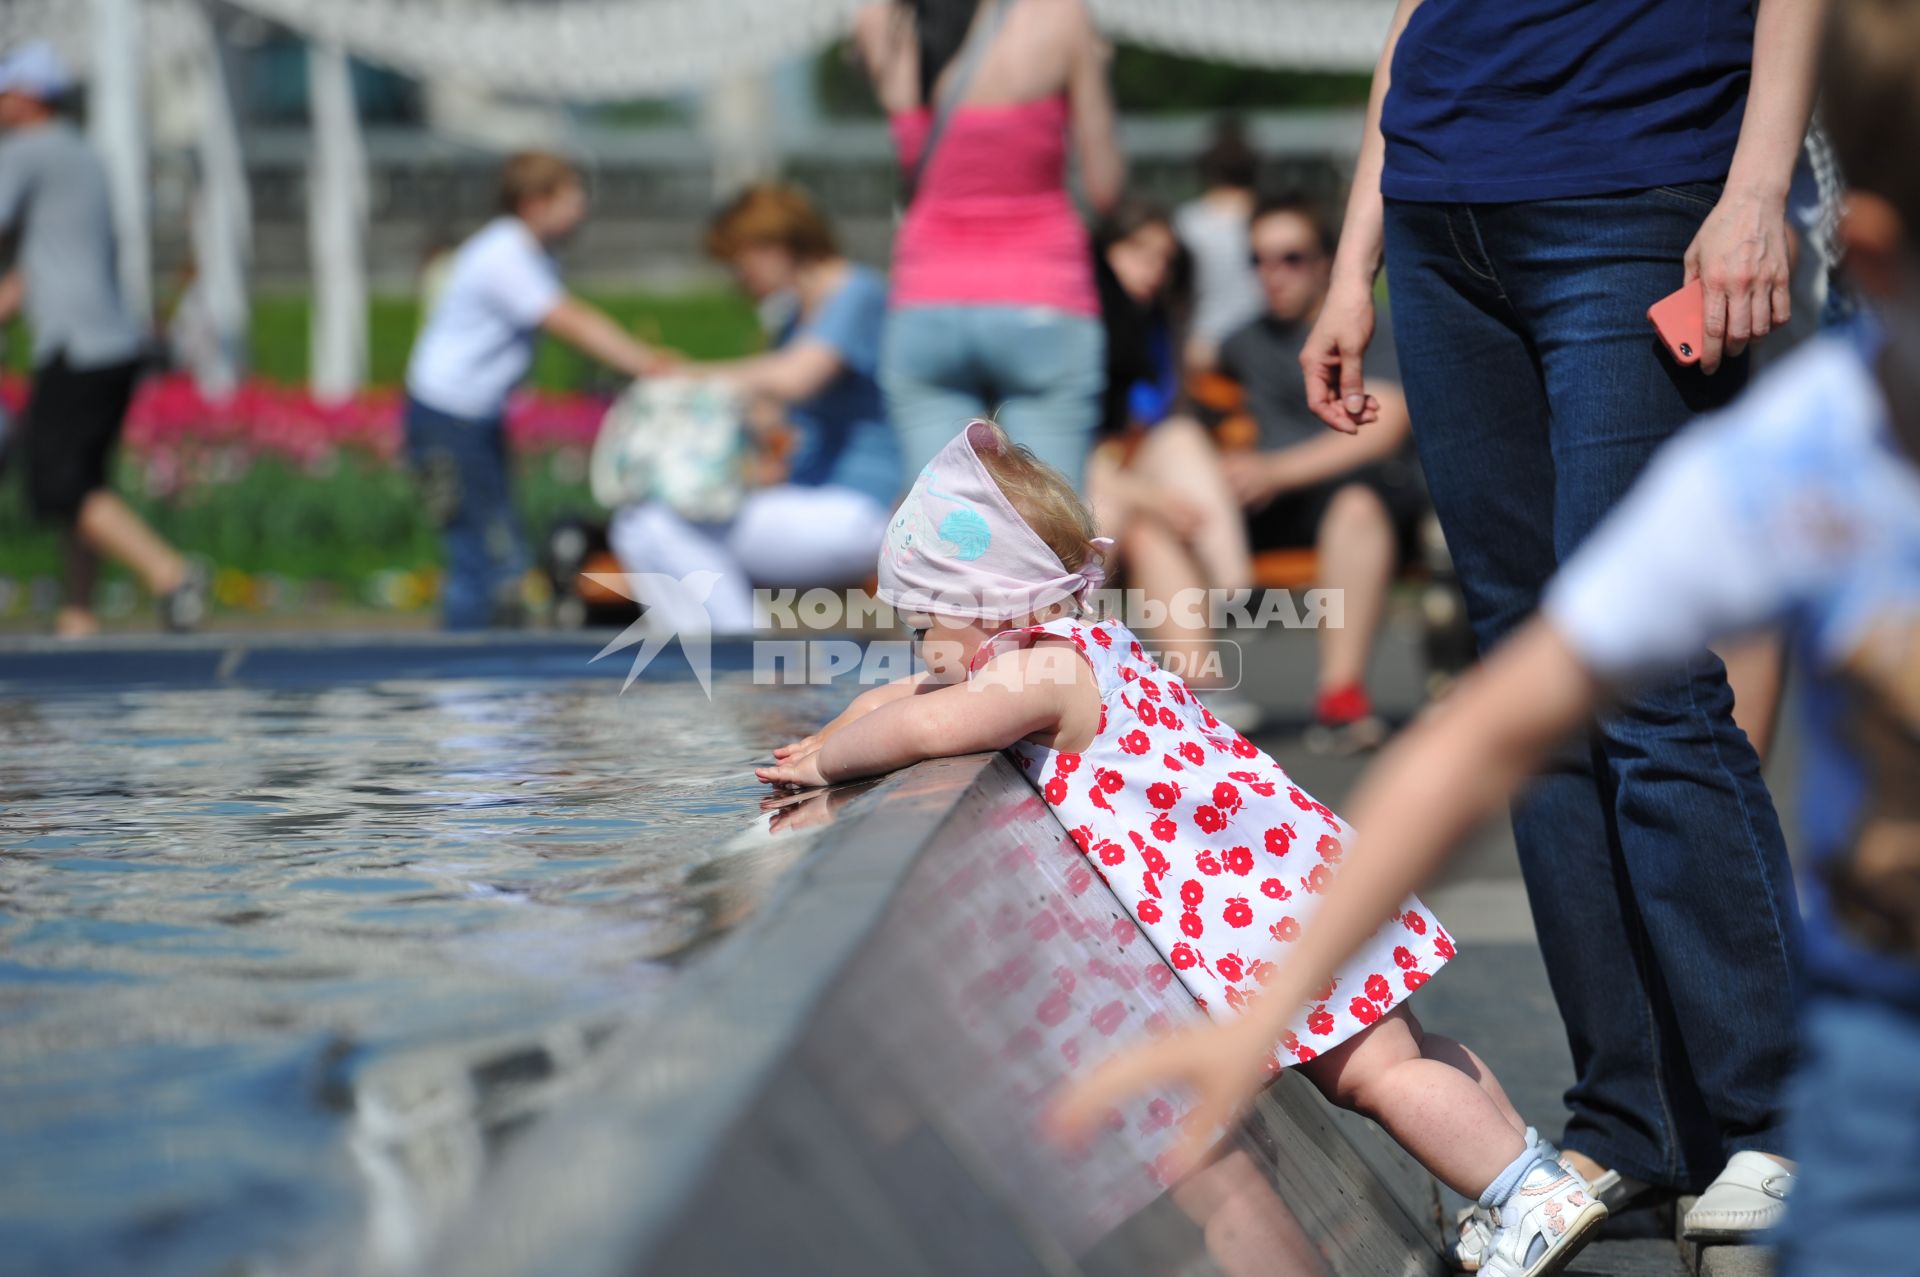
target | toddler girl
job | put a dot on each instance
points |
(1203, 837)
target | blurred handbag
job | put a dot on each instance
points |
(681, 441)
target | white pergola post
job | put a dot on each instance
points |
(222, 219)
(337, 225)
(118, 128)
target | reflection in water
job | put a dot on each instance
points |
(278, 967)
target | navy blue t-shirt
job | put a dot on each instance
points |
(1496, 101)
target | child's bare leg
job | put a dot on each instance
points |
(1249, 1230)
(1435, 1111)
(1453, 1054)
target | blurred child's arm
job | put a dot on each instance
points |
(798, 370)
(1455, 766)
(593, 332)
(1016, 694)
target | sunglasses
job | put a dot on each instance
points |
(1294, 260)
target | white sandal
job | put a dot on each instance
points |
(1542, 1226)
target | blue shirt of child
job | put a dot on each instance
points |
(1496, 101)
(844, 438)
(1795, 507)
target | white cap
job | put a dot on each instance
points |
(33, 68)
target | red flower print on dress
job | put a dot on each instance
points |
(1207, 865)
(1101, 637)
(1319, 1022)
(1170, 720)
(1211, 820)
(1163, 828)
(1404, 959)
(1231, 967)
(1102, 729)
(1329, 849)
(1242, 747)
(1109, 780)
(1414, 922)
(1151, 688)
(1305, 803)
(1191, 751)
(1128, 675)
(1262, 970)
(1163, 794)
(1206, 716)
(1226, 797)
(1254, 781)
(1153, 857)
(1443, 945)
(1378, 989)
(1067, 763)
(1190, 924)
(1055, 791)
(1237, 913)
(1280, 839)
(1184, 957)
(1414, 979)
(1237, 998)
(1317, 881)
(1082, 838)
(1171, 763)
(1363, 1010)
(1238, 859)
(1286, 930)
(1192, 894)
(1098, 798)
(1110, 852)
(1139, 653)
(1274, 889)
(1136, 742)
(1148, 911)
(1326, 991)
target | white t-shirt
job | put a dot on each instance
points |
(1226, 291)
(478, 342)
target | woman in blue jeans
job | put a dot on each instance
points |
(994, 307)
(1536, 175)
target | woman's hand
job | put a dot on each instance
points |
(1742, 256)
(1334, 354)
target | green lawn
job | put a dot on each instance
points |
(359, 522)
(708, 324)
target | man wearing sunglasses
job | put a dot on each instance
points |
(1355, 499)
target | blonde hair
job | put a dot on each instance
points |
(533, 175)
(771, 213)
(1043, 497)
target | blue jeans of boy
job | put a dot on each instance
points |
(1652, 855)
(462, 469)
(1855, 1130)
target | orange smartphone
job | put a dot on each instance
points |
(1681, 320)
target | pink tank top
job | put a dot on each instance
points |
(992, 223)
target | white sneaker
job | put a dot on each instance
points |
(1748, 1198)
(1546, 1222)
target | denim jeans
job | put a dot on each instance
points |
(1038, 372)
(1651, 851)
(461, 466)
(1855, 1130)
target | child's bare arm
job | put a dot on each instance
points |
(1016, 694)
(861, 706)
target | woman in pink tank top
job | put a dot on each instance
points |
(993, 308)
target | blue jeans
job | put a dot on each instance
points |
(1855, 1130)
(1038, 372)
(462, 469)
(1652, 855)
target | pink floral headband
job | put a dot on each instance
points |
(957, 546)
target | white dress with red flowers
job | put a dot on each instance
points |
(1207, 842)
